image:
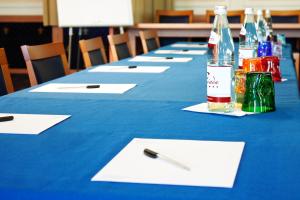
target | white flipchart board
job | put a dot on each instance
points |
(97, 13)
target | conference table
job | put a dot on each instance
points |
(60, 162)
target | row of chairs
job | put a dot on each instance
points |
(119, 45)
(49, 61)
(234, 16)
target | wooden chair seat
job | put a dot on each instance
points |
(233, 16)
(174, 16)
(120, 47)
(93, 52)
(6, 85)
(285, 16)
(296, 57)
(150, 40)
(45, 62)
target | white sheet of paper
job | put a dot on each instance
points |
(182, 52)
(189, 45)
(284, 79)
(29, 123)
(202, 108)
(81, 88)
(212, 163)
(158, 59)
(125, 69)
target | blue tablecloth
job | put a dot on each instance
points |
(59, 163)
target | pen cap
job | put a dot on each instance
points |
(150, 153)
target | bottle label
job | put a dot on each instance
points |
(214, 38)
(243, 31)
(219, 84)
(245, 53)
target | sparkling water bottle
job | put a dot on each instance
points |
(261, 27)
(248, 41)
(220, 64)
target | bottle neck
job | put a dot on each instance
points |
(221, 21)
(260, 18)
(249, 18)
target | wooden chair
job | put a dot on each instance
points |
(120, 47)
(6, 85)
(233, 16)
(150, 40)
(93, 52)
(174, 16)
(296, 57)
(45, 62)
(285, 16)
(288, 16)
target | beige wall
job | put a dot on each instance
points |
(21, 7)
(35, 7)
(144, 10)
(200, 6)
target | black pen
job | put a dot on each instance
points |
(92, 86)
(125, 67)
(6, 118)
(153, 154)
(76, 87)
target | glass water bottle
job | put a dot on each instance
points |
(220, 64)
(248, 41)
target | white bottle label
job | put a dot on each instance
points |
(219, 84)
(243, 31)
(245, 53)
(214, 38)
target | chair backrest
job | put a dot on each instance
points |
(93, 52)
(174, 16)
(296, 57)
(120, 47)
(150, 40)
(6, 85)
(45, 62)
(233, 16)
(285, 16)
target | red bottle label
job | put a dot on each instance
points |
(219, 84)
(243, 31)
(214, 38)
